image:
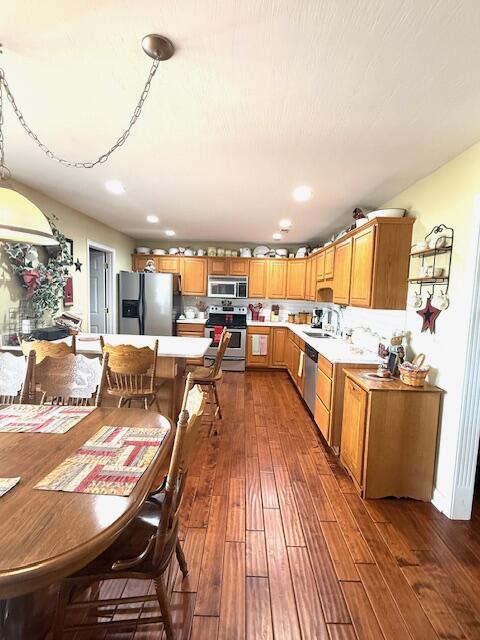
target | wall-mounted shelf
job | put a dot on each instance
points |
(428, 280)
(430, 252)
(439, 242)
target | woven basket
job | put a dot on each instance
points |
(414, 377)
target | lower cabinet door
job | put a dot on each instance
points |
(257, 354)
(279, 352)
(322, 418)
(352, 449)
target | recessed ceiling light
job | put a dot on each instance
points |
(115, 186)
(302, 193)
(169, 232)
(277, 236)
(152, 219)
(285, 224)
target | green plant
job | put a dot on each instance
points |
(44, 283)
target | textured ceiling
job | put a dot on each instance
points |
(356, 98)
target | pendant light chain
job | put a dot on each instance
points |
(4, 172)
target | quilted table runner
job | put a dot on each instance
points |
(110, 463)
(6, 484)
(40, 418)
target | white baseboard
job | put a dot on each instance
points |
(441, 503)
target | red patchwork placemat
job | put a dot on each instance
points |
(31, 418)
(110, 463)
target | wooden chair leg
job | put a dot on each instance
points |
(59, 622)
(181, 559)
(217, 400)
(145, 402)
(164, 608)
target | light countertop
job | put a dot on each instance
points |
(168, 346)
(334, 349)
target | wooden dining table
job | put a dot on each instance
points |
(46, 535)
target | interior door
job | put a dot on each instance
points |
(98, 291)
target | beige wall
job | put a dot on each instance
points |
(446, 196)
(80, 228)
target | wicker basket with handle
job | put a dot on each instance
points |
(414, 377)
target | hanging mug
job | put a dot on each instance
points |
(441, 301)
(415, 300)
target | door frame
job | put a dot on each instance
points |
(111, 292)
(466, 454)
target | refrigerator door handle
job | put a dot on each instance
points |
(143, 304)
(140, 304)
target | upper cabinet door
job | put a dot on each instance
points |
(239, 266)
(217, 266)
(329, 265)
(296, 279)
(313, 279)
(343, 267)
(140, 261)
(320, 272)
(361, 284)
(277, 278)
(308, 274)
(194, 276)
(168, 265)
(257, 282)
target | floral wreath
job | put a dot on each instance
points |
(44, 283)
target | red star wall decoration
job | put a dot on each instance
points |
(429, 314)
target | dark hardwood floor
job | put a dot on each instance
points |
(280, 545)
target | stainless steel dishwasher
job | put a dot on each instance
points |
(311, 358)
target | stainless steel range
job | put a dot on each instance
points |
(235, 319)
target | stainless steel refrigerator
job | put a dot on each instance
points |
(149, 303)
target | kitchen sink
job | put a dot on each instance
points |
(312, 334)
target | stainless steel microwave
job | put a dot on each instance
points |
(227, 287)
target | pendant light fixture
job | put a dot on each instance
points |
(20, 219)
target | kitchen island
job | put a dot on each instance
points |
(172, 351)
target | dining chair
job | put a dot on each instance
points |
(45, 348)
(145, 549)
(131, 374)
(68, 380)
(209, 376)
(15, 374)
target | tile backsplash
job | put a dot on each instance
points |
(383, 322)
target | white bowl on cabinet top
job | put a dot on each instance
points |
(143, 250)
(386, 213)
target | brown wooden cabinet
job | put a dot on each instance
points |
(239, 267)
(320, 270)
(191, 330)
(353, 430)
(296, 279)
(168, 264)
(257, 282)
(389, 436)
(194, 276)
(218, 266)
(308, 275)
(255, 359)
(342, 268)
(361, 280)
(329, 268)
(313, 279)
(279, 351)
(277, 278)
(139, 261)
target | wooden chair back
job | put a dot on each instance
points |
(185, 439)
(130, 369)
(44, 348)
(15, 373)
(222, 347)
(70, 380)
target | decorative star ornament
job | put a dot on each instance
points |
(429, 314)
(78, 265)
